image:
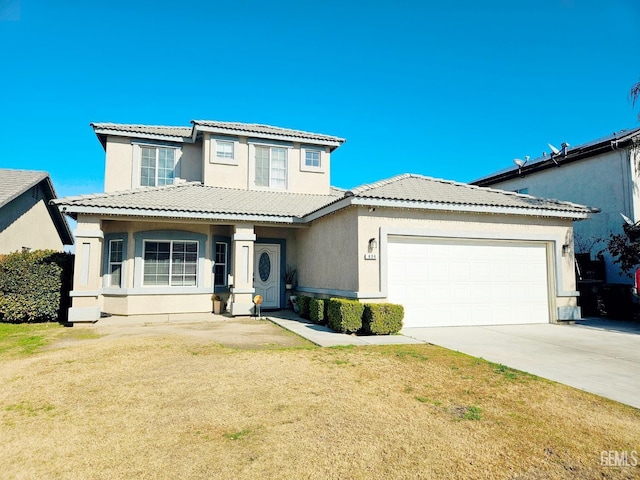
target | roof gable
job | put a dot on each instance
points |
(427, 190)
(14, 183)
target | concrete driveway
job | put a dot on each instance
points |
(587, 356)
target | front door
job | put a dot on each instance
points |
(266, 274)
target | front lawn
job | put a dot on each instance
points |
(176, 406)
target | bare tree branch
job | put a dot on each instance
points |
(634, 93)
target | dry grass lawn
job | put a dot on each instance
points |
(170, 404)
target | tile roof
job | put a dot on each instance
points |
(418, 188)
(233, 128)
(194, 200)
(160, 130)
(15, 182)
(189, 199)
(255, 128)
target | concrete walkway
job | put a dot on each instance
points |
(325, 337)
(591, 358)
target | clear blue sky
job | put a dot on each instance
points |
(452, 90)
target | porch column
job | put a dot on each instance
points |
(87, 287)
(242, 290)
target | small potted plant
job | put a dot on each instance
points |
(289, 277)
(218, 304)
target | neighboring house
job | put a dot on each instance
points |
(27, 220)
(603, 174)
(224, 207)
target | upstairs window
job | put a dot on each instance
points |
(271, 167)
(224, 149)
(157, 166)
(312, 158)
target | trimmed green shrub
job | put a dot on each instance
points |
(382, 318)
(345, 315)
(316, 310)
(34, 286)
(303, 306)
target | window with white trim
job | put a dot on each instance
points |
(116, 257)
(271, 167)
(157, 166)
(312, 158)
(224, 149)
(170, 263)
(220, 265)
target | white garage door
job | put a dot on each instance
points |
(445, 282)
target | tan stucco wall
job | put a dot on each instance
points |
(229, 176)
(301, 181)
(328, 252)
(190, 163)
(157, 304)
(194, 164)
(242, 174)
(26, 222)
(120, 163)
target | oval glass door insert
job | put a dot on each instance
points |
(264, 266)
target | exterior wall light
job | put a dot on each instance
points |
(373, 244)
(566, 249)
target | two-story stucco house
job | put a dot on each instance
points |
(27, 220)
(224, 207)
(604, 173)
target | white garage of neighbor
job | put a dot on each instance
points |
(446, 282)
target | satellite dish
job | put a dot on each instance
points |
(554, 150)
(521, 163)
(627, 220)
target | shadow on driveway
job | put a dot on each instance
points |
(625, 326)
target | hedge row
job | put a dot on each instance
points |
(351, 316)
(34, 286)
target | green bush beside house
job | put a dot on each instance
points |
(382, 318)
(316, 310)
(34, 286)
(345, 315)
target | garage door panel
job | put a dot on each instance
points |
(458, 282)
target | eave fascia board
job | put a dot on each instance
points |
(142, 212)
(377, 202)
(150, 136)
(328, 209)
(452, 207)
(251, 134)
(59, 218)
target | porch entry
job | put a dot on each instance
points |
(266, 274)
